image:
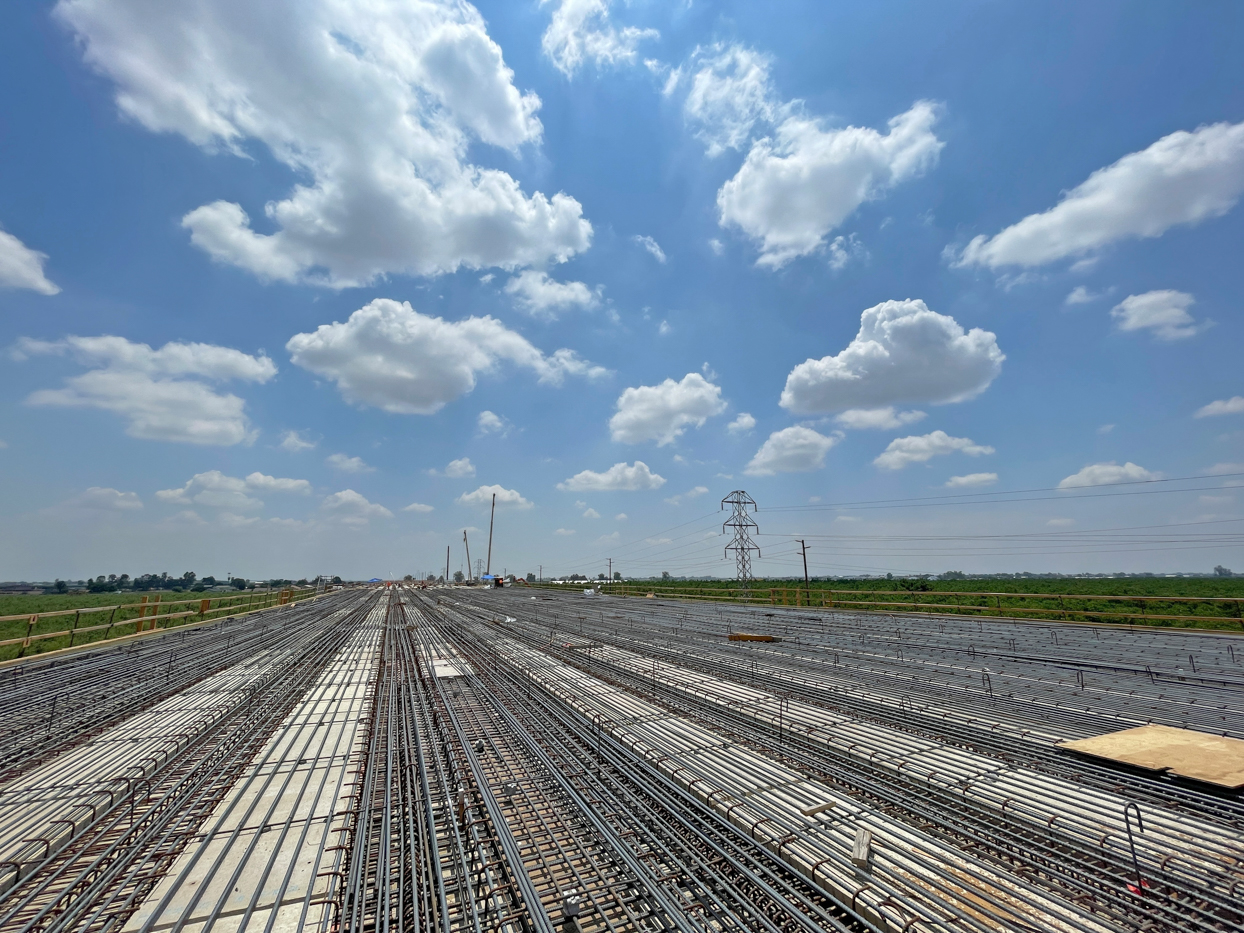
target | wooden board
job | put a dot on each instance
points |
(445, 668)
(1214, 759)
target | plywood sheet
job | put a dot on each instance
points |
(446, 668)
(1214, 759)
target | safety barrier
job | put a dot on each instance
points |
(150, 614)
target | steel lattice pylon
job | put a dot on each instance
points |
(742, 523)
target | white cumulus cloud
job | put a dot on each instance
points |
(663, 412)
(392, 357)
(220, 491)
(161, 393)
(903, 352)
(106, 499)
(353, 508)
(22, 267)
(801, 179)
(619, 477)
(490, 423)
(729, 91)
(904, 451)
(652, 246)
(264, 483)
(1183, 178)
(456, 469)
(581, 31)
(1081, 296)
(417, 507)
(1106, 474)
(591, 513)
(1164, 312)
(971, 479)
(791, 450)
(346, 464)
(844, 249)
(482, 498)
(742, 424)
(1224, 406)
(544, 298)
(692, 493)
(805, 180)
(877, 419)
(373, 107)
(294, 442)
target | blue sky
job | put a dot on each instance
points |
(295, 289)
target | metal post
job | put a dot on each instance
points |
(1139, 887)
(467, 545)
(807, 587)
(488, 569)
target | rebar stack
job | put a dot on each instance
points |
(464, 760)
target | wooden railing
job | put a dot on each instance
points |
(148, 615)
(1215, 612)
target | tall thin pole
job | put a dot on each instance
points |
(466, 544)
(807, 587)
(488, 569)
(611, 575)
(446, 563)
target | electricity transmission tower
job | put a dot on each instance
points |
(742, 523)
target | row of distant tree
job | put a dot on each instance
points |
(188, 581)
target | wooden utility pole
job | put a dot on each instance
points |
(466, 544)
(488, 569)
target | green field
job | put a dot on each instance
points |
(14, 605)
(110, 620)
(1181, 602)
(1119, 586)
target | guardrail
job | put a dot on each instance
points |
(1213, 612)
(151, 614)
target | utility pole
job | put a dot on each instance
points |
(742, 543)
(490, 520)
(541, 566)
(611, 575)
(807, 587)
(446, 563)
(466, 544)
